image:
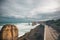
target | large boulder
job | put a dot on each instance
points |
(9, 32)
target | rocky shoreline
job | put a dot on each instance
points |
(10, 32)
(35, 34)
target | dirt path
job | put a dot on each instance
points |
(50, 33)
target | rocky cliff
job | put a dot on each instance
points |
(9, 32)
(35, 34)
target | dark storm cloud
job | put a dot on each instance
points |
(31, 9)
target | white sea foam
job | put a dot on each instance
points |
(0, 27)
(23, 27)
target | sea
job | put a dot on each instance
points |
(22, 27)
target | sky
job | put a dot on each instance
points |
(29, 9)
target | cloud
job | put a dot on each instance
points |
(47, 6)
(33, 9)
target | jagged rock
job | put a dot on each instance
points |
(35, 34)
(33, 23)
(9, 32)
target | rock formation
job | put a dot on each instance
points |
(33, 23)
(9, 32)
(35, 34)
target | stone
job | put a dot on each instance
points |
(9, 32)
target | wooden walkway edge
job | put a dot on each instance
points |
(50, 33)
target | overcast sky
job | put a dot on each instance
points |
(32, 9)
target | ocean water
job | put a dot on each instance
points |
(22, 27)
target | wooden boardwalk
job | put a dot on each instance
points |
(50, 33)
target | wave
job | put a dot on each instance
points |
(23, 27)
